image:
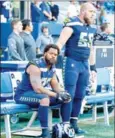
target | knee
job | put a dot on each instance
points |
(45, 102)
(72, 96)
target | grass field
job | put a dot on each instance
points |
(98, 130)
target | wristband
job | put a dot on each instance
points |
(93, 68)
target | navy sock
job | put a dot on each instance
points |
(77, 103)
(66, 111)
(45, 132)
(43, 116)
(73, 121)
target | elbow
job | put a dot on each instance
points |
(37, 89)
(40, 89)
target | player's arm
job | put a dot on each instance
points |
(92, 56)
(93, 71)
(55, 84)
(64, 36)
(92, 59)
(62, 95)
(35, 79)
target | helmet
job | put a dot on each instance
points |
(61, 130)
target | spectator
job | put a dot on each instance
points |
(16, 43)
(16, 9)
(104, 34)
(36, 13)
(109, 6)
(99, 4)
(3, 19)
(54, 10)
(44, 39)
(29, 42)
(73, 9)
(6, 8)
(105, 28)
(45, 8)
(102, 16)
(33, 89)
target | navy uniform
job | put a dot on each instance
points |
(76, 67)
(25, 93)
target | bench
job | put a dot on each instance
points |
(9, 107)
(102, 98)
(10, 77)
(103, 79)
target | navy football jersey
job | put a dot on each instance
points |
(78, 45)
(46, 76)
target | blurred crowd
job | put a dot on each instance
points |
(43, 12)
(50, 10)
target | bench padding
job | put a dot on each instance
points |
(13, 108)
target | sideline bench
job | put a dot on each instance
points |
(102, 98)
(9, 82)
(10, 107)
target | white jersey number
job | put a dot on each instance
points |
(85, 40)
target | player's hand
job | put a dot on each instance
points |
(93, 76)
(64, 97)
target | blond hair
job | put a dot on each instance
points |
(14, 22)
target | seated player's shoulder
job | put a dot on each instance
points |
(32, 67)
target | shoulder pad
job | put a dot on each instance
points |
(67, 20)
(33, 62)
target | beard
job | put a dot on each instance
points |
(88, 21)
(50, 61)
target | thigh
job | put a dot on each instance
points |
(31, 98)
(82, 83)
(70, 75)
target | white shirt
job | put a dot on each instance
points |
(73, 10)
